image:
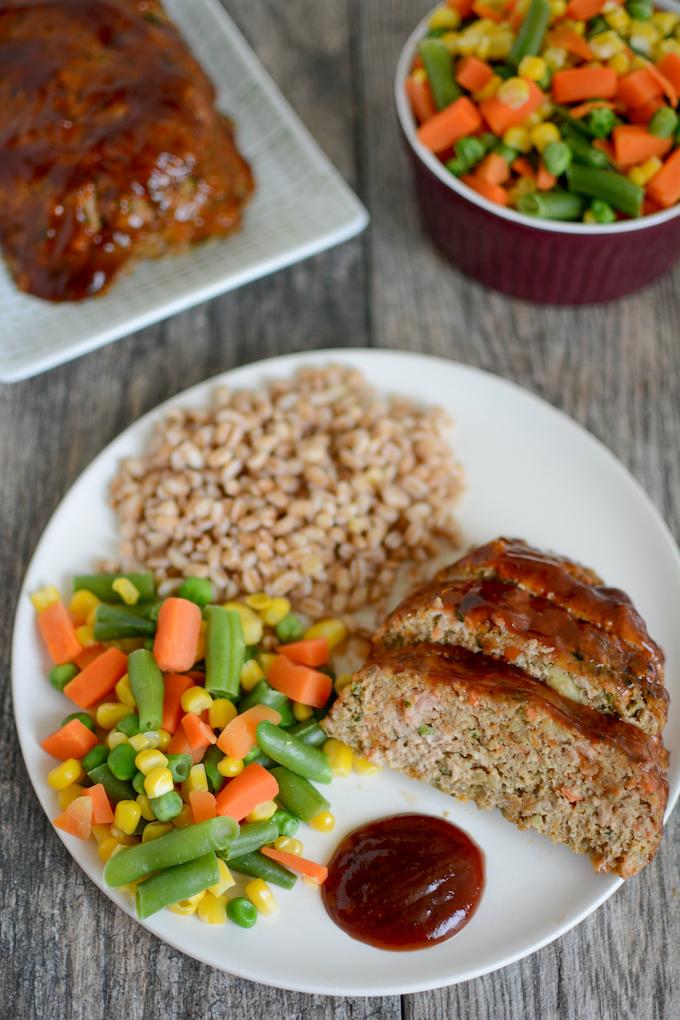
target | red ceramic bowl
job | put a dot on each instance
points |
(539, 260)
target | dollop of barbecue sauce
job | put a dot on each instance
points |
(406, 882)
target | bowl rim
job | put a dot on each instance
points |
(435, 166)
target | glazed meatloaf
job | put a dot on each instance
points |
(110, 144)
(548, 615)
(483, 730)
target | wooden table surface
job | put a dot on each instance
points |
(66, 951)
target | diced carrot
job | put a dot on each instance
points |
(98, 679)
(199, 734)
(604, 145)
(567, 39)
(579, 83)
(523, 167)
(473, 73)
(203, 805)
(544, 179)
(450, 124)
(175, 686)
(634, 144)
(643, 114)
(300, 683)
(102, 813)
(592, 104)
(179, 744)
(77, 818)
(638, 87)
(494, 10)
(664, 187)
(58, 633)
(240, 735)
(417, 62)
(464, 7)
(667, 86)
(500, 117)
(88, 655)
(310, 652)
(493, 169)
(302, 866)
(669, 65)
(584, 10)
(179, 625)
(243, 793)
(73, 740)
(493, 192)
(420, 96)
(649, 207)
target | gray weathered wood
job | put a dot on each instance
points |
(66, 951)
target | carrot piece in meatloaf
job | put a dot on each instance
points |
(482, 730)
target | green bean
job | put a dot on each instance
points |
(129, 725)
(613, 188)
(94, 758)
(82, 717)
(596, 25)
(551, 205)
(529, 39)
(640, 10)
(263, 694)
(62, 675)
(146, 684)
(198, 590)
(664, 122)
(167, 806)
(121, 761)
(259, 866)
(180, 882)
(251, 837)
(298, 796)
(439, 69)
(242, 912)
(210, 760)
(602, 211)
(225, 650)
(256, 755)
(175, 847)
(113, 622)
(180, 766)
(557, 157)
(101, 585)
(581, 149)
(286, 823)
(290, 628)
(293, 753)
(309, 732)
(115, 788)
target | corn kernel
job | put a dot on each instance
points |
(606, 45)
(114, 739)
(483, 47)
(164, 739)
(364, 766)
(265, 660)
(230, 767)
(302, 712)
(108, 847)
(188, 906)
(224, 882)
(139, 741)
(155, 829)
(145, 808)
(69, 794)
(150, 758)
(63, 775)
(558, 8)
(85, 635)
(643, 173)
(221, 713)
(263, 812)
(126, 816)
(110, 713)
(533, 68)
(124, 693)
(339, 757)
(513, 93)
(555, 57)
(618, 19)
(184, 818)
(667, 46)
(620, 64)
(665, 21)
(275, 612)
(643, 36)
(334, 631)
(130, 888)
(123, 837)
(543, 134)
(524, 186)
(44, 597)
(518, 138)
(638, 63)
(289, 845)
(500, 43)
(101, 832)
(323, 822)
(450, 40)
(489, 90)
(197, 780)
(341, 681)
(576, 26)
(444, 17)
(212, 909)
(158, 781)
(251, 674)
(250, 621)
(259, 602)
(261, 896)
(196, 700)
(128, 592)
(81, 606)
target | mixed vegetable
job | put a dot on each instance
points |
(196, 742)
(563, 109)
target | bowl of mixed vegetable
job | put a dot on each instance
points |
(545, 138)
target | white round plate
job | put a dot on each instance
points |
(531, 473)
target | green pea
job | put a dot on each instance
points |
(138, 782)
(82, 717)
(62, 675)
(94, 758)
(180, 766)
(601, 122)
(198, 590)
(129, 725)
(664, 122)
(290, 628)
(602, 211)
(286, 823)
(242, 912)
(122, 761)
(639, 10)
(557, 157)
(167, 806)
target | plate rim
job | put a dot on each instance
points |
(290, 362)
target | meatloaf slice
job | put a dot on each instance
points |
(484, 731)
(592, 665)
